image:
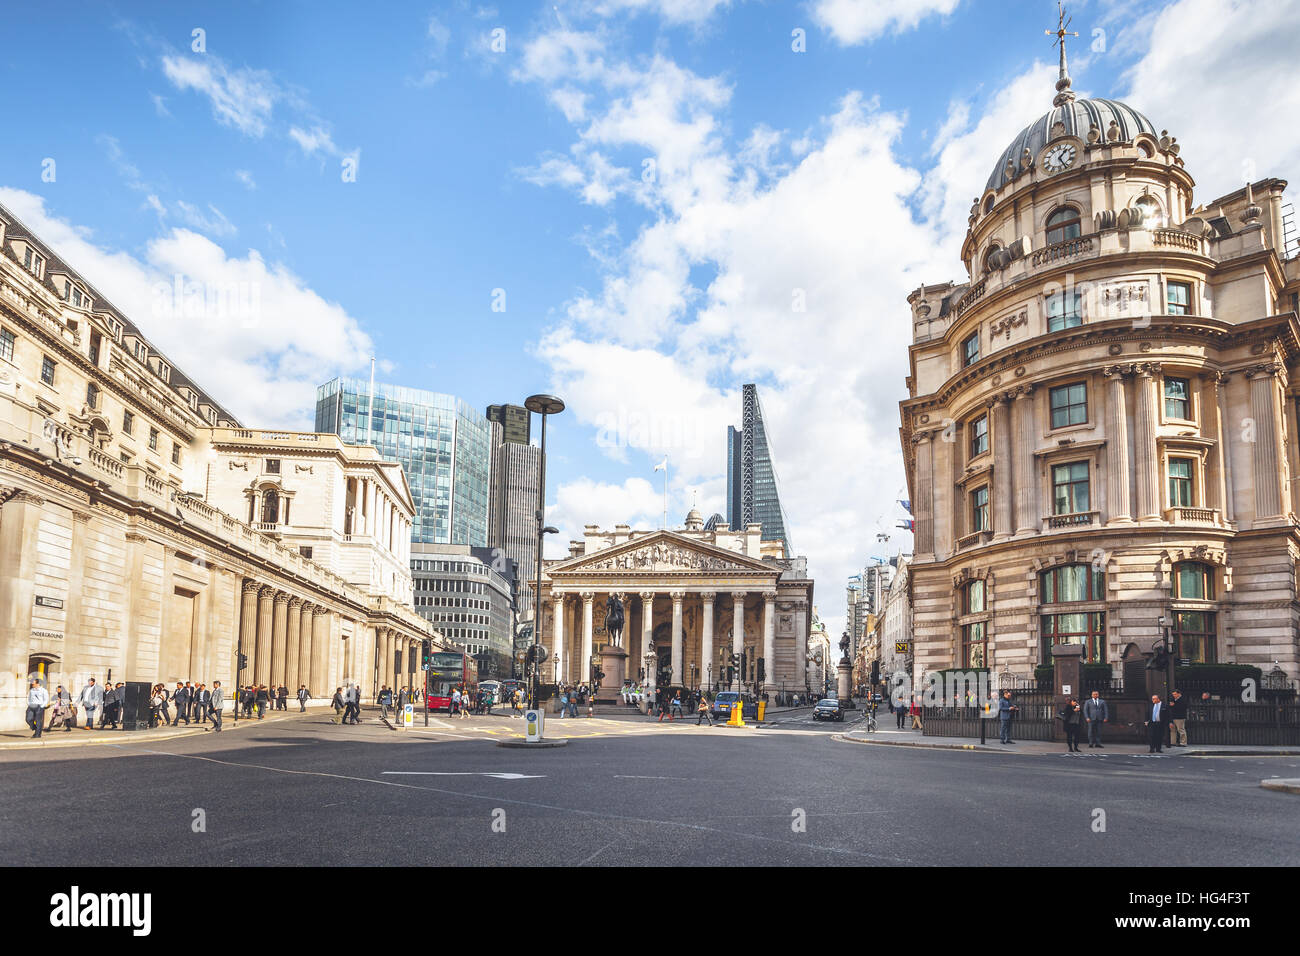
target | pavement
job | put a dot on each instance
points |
(301, 790)
(79, 736)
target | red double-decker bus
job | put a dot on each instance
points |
(449, 670)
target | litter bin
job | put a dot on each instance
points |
(762, 709)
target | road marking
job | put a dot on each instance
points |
(464, 773)
(628, 776)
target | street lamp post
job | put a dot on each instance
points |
(543, 405)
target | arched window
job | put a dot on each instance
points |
(1063, 224)
(270, 507)
(988, 205)
(1152, 218)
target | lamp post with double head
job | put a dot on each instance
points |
(543, 405)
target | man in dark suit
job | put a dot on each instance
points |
(1157, 725)
(1095, 713)
(202, 703)
(181, 699)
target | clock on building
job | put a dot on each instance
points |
(1059, 157)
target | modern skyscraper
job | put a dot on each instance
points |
(512, 501)
(442, 443)
(753, 493)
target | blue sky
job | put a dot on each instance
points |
(651, 183)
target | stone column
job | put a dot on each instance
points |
(1223, 452)
(1000, 414)
(583, 669)
(707, 665)
(1212, 427)
(1023, 471)
(247, 627)
(647, 630)
(738, 622)
(924, 505)
(265, 612)
(20, 518)
(1266, 454)
(557, 637)
(769, 632)
(293, 637)
(279, 638)
(304, 649)
(1146, 463)
(1117, 467)
(801, 650)
(320, 653)
(677, 597)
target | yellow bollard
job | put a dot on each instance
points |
(762, 709)
(737, 717)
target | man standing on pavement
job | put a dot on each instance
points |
(182, 699)
(37, 698)
(900, 712)
(1178, 718)
(91, 699)
(202, 703)
(385, 698)
(1006, 710)
(1157, 724)
(1095, 713)
(216, 705)
(304, 695)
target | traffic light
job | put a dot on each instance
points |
(243, 661)
(735, 660)
(424, 652)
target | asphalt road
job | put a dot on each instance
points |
(310, 793)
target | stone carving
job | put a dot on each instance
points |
(1007, 323)
(299, 469)
(663, 557)
(1121, 296)
(238, 464)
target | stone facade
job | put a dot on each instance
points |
(1101, 423)
(691, 598)
(114, 559)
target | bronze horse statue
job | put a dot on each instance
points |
(614, 620)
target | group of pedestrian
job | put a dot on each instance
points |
(347, 704)
(193, 703)
(902, 710)
(1094, 714)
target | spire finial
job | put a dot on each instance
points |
(1063, 92)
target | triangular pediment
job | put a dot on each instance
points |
(659, 552)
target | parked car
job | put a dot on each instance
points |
(726, 699)
(828, 709)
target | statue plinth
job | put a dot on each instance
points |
(844, 683)
(613, 661)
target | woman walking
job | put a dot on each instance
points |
(1071, 715)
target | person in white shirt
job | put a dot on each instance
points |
(91, 699)
(37, 698)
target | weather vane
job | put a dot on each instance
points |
(1063, 93)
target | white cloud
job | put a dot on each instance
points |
(243, 98)
(261, 353)
(246, 178)
(860, 21)
(585, 501)
(671, 11)
(212, 222)
(1227, 92)
(313, 140)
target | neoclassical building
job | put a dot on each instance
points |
(146, 536)
(1101, 427)
(692, 597)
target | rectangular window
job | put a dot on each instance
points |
(153, 439)
(1064, 311)
(970, 350)
(6, 345)
(176, 454)
(1194, 633)
(1178, 399)
(95, 340)
(1180, 482)
(979, 509)
(974, 645)
(141, 352)
(1179, 298)
(1069, 404)
(979, 436)
(273, 466)
(973, 598)
(47, 370)
(128, 422)
(1088, 629)
(305, 551)
(1070, 488)
(92, 395)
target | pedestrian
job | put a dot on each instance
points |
(182, 698)
(1157, 725)
(119, 705)
(217, 701)
(455, 702)
(916, 715)
(155, 705)
(464, 705)
(564, 703)
(108, 713)
(704, 710)
(92, 698)
(1006, 710)
(61, 714)
(250, 698)
(202, 704)
(1071, 715)
(352, 704)
(282, 698)
(900, 714)
(304, 695)
(573, 702)
(1095, 713)
(385, 698)
(38, 698)
(337, 703)
(676, 706)
(263, 698)
(1178, 719)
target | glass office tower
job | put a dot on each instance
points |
(442, 443)
(752, 490)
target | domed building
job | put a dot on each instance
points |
(1101, 428)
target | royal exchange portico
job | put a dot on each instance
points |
(691, 598)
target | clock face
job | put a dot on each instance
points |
(1059, 157)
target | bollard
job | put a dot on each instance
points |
(762, 709)
(737, 717)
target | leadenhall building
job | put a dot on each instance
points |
(1101, 423)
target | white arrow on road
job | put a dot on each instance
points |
(450, 773)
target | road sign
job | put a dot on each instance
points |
(408, 715)
(533, 720)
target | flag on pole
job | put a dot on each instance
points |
(907, 505)
(663, 465)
